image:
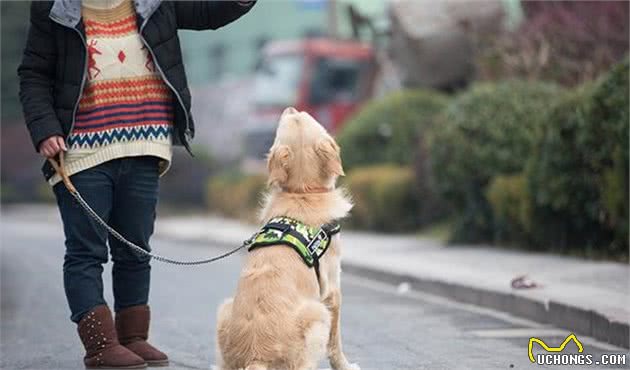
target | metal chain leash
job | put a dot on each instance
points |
(60, 168)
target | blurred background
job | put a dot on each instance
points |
(502, 122)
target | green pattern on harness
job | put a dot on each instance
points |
(310, 242)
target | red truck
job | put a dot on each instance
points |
(327, 78)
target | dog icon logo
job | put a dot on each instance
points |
(560, 348)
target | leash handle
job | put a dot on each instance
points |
(60, 167)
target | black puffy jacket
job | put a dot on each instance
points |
(54, 65)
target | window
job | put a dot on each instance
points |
(277, 80)
(335, 79)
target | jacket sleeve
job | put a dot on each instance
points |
(36, 74)
(203, 15)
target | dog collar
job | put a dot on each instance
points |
(310, 191)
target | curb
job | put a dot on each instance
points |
(575, 319)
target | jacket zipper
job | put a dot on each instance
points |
(85, 67)
(187, 132)
(85, 72)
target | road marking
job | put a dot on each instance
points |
(518, 333)
(528, 325)
(539, 332)
(432, 298)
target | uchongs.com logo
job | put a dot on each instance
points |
(558, 356)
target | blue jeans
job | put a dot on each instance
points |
(124, 192)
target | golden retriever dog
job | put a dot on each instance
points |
(282, 317)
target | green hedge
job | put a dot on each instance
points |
(511, 206)
(579, 173)
(236, 195)
(387, 130)
(486, 132)
(385, 198)
(611, 114)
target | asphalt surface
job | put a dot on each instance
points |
(383, 327)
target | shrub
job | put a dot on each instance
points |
(387, 130)
(610, 114)
(236, 195)
(579, 174)
(487, 131)
(510, 201)
(385, 198)
(7, 193)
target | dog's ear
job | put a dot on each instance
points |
(278, 164)
(328, 152)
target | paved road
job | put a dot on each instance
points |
(383, 327)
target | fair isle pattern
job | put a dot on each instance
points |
(138, 90)
(125, 108)
(110, 111)
(124, 134)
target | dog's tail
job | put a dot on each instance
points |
(256, 366)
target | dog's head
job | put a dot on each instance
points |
(304, 157)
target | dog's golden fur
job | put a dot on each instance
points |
(281, 316)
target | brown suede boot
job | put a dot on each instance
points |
(102, 349)
(132, 325)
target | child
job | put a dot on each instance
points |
(103, 81)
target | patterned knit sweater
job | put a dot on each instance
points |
(125, 108)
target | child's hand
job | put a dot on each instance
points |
(52, 146)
